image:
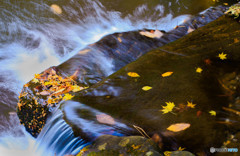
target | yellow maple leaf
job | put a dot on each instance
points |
(77, 88)
(136, 147)
(191, 105)
(178, 127)
(167, 74)
(213, 113)
(168, 108)
(222, 56)
(146, 88)
(181, 149)
(68, 97)
(167, 153)
(199, 70)
(133, 74)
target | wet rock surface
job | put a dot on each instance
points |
(96, 62)
(132, 145)
(200, 76)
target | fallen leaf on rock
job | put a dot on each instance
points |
(44, 93)
(124, 142)
(178, 127)
(167, 74)
(77, 88)
(105, 119)
(146, 88)
(136, 147)
(58, 92)
(191, 105)
(149, 153)
(167, 153)
(133, 74)
(56, 9)
(213, 113)
(168, 108)
(222, 56)
(68, 97)
(102, 147)
(199, 70)
(34, 80)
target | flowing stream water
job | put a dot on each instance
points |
(33, 38)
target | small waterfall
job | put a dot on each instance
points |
(57, 137)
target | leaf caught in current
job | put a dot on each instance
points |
(167, 74)
(56, 9)
(178, 127)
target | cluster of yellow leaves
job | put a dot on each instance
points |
(168, 108)
(53, 87)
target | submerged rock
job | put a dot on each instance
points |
(132, 145)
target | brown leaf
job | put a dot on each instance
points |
(105, 119)
(44, 93)
(178, 127)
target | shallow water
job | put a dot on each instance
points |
(33, 38)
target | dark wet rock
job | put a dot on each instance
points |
(122, 97)
(132, 145)
(99, 60)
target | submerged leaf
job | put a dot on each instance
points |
(222, 56)
(178, 127)
(199, 70)
(191, 105)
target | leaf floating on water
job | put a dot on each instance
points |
(167, 74)
(213, 113)
(155, 34)
(168, 108)
(178, 127)
(133, 74)
(105, 119)
(56, 9)
(146, 88)
(102, 147)
(68, 97)
(222, 56)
